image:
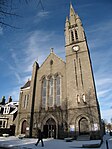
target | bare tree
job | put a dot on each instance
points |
(8, 10)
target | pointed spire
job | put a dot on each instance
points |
(72, 15)
(72, 12)
(67, 22)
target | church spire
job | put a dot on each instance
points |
(72, 12)
(72, 15)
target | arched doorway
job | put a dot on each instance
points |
(23, 127)
(49, 129)
(83, 126)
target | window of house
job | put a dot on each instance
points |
(44, 93)
(4, 124)
(0, 124)
(51, 92)
(6, 110)
(57, 91)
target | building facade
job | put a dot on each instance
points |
(8, 116)
(61, 97)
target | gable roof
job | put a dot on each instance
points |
(27, 84)
(52, 53)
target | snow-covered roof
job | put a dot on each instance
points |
(14, 111)
(12, 104)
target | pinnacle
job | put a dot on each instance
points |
(72, 12)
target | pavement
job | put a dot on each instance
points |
(29, 143)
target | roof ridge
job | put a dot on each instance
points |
(49, 56)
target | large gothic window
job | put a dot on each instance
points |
(25, 102)
(58, 91)
(51, 92)
(44, 92)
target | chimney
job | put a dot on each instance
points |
(10, 99)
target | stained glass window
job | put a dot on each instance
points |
(44, 92)
(58, 91)
(51, 92)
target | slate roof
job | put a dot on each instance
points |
(26, 85)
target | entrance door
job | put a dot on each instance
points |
(83, 126)
(50, 128)
(12, 130)
(23, 128)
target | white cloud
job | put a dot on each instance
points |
(43, 14)
(103, 93)
(99, 33)
(26, 78)
(15, 94)
(100, 28)
(40, 16)
(38, 46)
(103, 81)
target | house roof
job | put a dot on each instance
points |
(12, 104)
(14, 111)
(27, 84)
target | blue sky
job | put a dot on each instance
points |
(41, 30)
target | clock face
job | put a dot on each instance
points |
(75, 48)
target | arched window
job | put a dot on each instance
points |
(44, 93)
(27, 99)
(76, 34)
(25, 102)
(72, 36)
(51, 92)
(78, 99)
(57, 91)
(84, 99)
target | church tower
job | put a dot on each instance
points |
(83, 108)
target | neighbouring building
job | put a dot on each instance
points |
(8, 116)
(61, 97)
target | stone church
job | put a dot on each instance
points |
(60, 98)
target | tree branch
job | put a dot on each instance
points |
(7, 10)
(6, 24)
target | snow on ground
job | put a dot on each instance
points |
(29, 143)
